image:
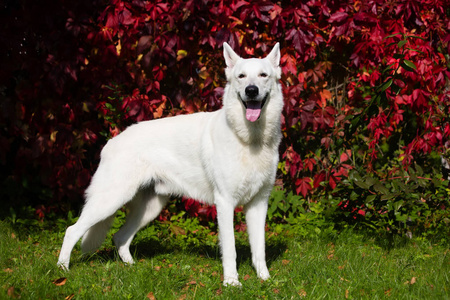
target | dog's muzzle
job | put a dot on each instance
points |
(253, 107)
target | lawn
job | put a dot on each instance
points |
(345, 265)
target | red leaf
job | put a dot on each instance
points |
(318, 178)
(332, 182)
(338, 17)
(346, 155)
(241, 227)
(289, 64)
(309, 163)
(303, 185)
(125, 17)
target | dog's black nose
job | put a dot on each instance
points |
(251, 91)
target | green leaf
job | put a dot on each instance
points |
(392, 35)
(386, 85)
(362, 184)
(380, 188)
(398, 204)
(419, 170)
(402, 43)
(389, 196)
(408, 65)
(415, 50)
(388, 68)
(370, 198)
(371, 181)
(416, 37)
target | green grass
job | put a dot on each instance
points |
(348, 265)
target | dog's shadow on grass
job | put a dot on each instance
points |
(147, 249)
(274, 250)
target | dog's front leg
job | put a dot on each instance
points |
(256, 212)
(225, 214)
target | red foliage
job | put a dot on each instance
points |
(196, 209)
(76, 73)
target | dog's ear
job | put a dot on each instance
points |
(274, 56)
(230, 56)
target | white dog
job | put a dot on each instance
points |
(228, 158)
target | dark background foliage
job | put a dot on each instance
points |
(365, 85)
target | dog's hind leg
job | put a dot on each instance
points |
(95, 236)
(145, 207)
(89, 217)
(99, 209)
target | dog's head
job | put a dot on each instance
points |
(252, 79)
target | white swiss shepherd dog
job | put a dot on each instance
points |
(227, 158)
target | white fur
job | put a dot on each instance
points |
(219, 158)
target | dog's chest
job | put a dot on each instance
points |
(256, 170)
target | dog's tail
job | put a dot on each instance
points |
(95, 236)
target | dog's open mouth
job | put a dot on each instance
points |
(253, 109)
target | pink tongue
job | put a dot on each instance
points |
(253, 110)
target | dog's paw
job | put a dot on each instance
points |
(264, 275)
(262, 271)
(125, 256)
(63, 265)
(231, 281)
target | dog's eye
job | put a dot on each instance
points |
(242, 76)
(263, 75)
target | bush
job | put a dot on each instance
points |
(364, 84)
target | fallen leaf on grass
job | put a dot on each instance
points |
(60, 281)
(346, 294)
(246, 277)
(177, 230)
(343, 266)
(70, 297)
(285, 262)
(12, 293)
(302, 293)
(412, 281)
(8, 270)
(151, 296)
